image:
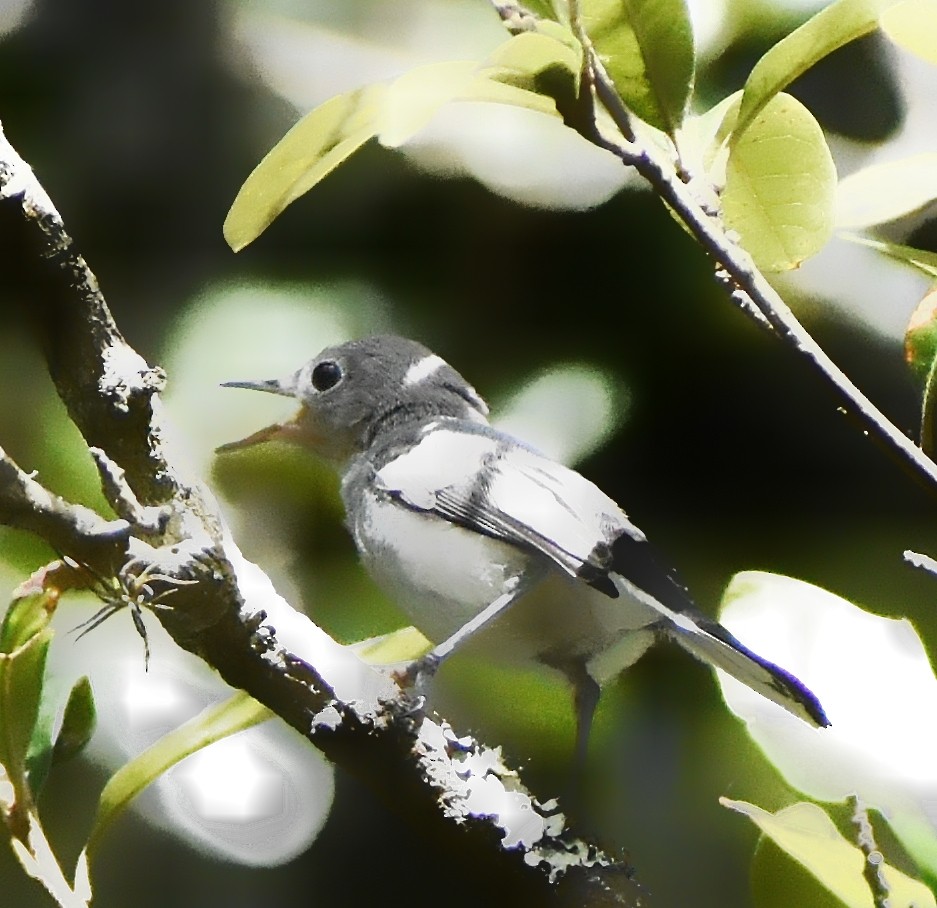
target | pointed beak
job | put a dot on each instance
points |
(271, 386)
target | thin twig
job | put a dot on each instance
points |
(748, 280)
(26, 504)
(872, 868)
(749, 289)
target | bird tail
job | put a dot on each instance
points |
(712, 643)
(637, 572)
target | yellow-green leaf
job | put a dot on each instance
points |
(411, 101)
(647, 48)
(884, 192)
(912, 24)
(835, 25)
(402, 645)
(214, 723)
(920, 353)
(920, 259)
(28, 615)
(780, 186)
(310, 151)
(530, 53)
(809, 836)
(543, 8)
(25, 636)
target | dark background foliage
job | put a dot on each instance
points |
(733, 455)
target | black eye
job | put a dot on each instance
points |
(326, 375)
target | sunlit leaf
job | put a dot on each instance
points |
(310, 151)
(912, 24)
(647, 48)
(884, 192)
(920, 259)
(543, 8)
(835, 25)
(402, 645)
(25, 636)
(809, 836)
(412, 100)
(530, 53)
(821, 638)
(920, 339)
(920, 351)
(394, 113)
(780, 186)
(219, 721)
(702, 139)
(28, 615)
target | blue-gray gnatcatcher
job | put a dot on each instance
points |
(458, 521)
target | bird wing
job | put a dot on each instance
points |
(487, 481)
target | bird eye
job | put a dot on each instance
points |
(326, 375)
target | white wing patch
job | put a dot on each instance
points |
(492, 484)
(442, 458)
(422, 369)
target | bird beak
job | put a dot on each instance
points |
(270, 385)
(277, 430)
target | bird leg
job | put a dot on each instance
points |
(426, 666)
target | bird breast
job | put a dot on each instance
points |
(439, 574)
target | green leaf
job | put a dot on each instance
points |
(920, 339)
(310, 151)
(530, 53)
(78, 722)
(28, 615)
(780, 184)
(809, 836)
(835, 25)
(912, 25)
(402, 645)
(412, 100)
(212, 724)
(543, 8)
(702, 139)
(393, 113)
(920, 353)
(884, 192)
(539, 60)
(929, 412)
(25, 636)
(647, 48)
(920, 259)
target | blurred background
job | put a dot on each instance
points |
(142, 120)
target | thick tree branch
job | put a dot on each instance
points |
(232, 617)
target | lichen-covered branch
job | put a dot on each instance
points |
(170, 528)
(27, 505)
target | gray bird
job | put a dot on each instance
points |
(471, 530)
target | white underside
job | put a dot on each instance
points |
(441, 575)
